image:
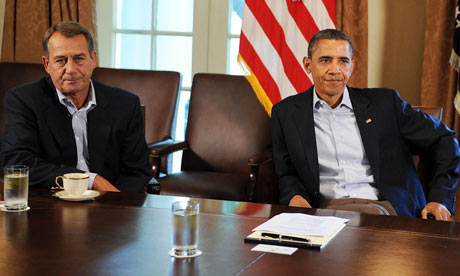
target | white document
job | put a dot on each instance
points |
(301, 224)
(274, 249)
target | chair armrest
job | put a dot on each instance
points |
(261, 158)
(166, 147)
(161, 149)
(254, 162)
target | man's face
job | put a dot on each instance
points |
(70, 65)
(331, 66)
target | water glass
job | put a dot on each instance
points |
(185, 229)
(16, 188)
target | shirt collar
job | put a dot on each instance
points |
(317, 102)
(89, 103)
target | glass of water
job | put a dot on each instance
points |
(185, 229)
(16, 188)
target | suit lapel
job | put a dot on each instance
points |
(303, 117)
(60, 126)
(99, 128)
(366, 119)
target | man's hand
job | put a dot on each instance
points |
(299, 201)
(439, 211)
(101, 184)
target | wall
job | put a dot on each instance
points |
(396, 38)
(2, 19)
(104, 23)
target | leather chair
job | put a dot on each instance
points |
(157, 90)
(12, 75)
(228, 139)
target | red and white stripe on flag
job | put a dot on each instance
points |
(274, 39)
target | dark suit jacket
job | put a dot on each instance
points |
(393, 134)
(39, 134)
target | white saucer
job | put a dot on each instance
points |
(87, 195)
(197, 253)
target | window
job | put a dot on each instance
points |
(234, 30)
(147, 36)
(180, 35)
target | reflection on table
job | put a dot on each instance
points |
(130, 234)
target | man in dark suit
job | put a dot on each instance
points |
(335, 142)
(67, 123)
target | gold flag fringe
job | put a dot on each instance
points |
(260, 92)
(457, 102)
(455, 61)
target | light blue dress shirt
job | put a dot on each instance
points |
(79, 119)
(344, 170)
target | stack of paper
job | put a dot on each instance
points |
(298, 230)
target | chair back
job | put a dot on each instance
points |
(158, 92)
(435, 111)
(226, 125)
(12, 75)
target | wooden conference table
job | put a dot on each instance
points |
(129, 234)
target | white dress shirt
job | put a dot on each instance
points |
(79, 119)
(344, 170)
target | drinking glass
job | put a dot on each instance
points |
(16, 188)
(185, 229)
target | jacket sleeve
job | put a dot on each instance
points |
(20, 142)
(290, 183)
(135, 171)
(429, 137)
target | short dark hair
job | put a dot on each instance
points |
(68, 29)
(332, 34)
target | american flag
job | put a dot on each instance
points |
(274, 39)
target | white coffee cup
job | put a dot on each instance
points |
(75, 184)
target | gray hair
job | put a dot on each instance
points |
(68, 29)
